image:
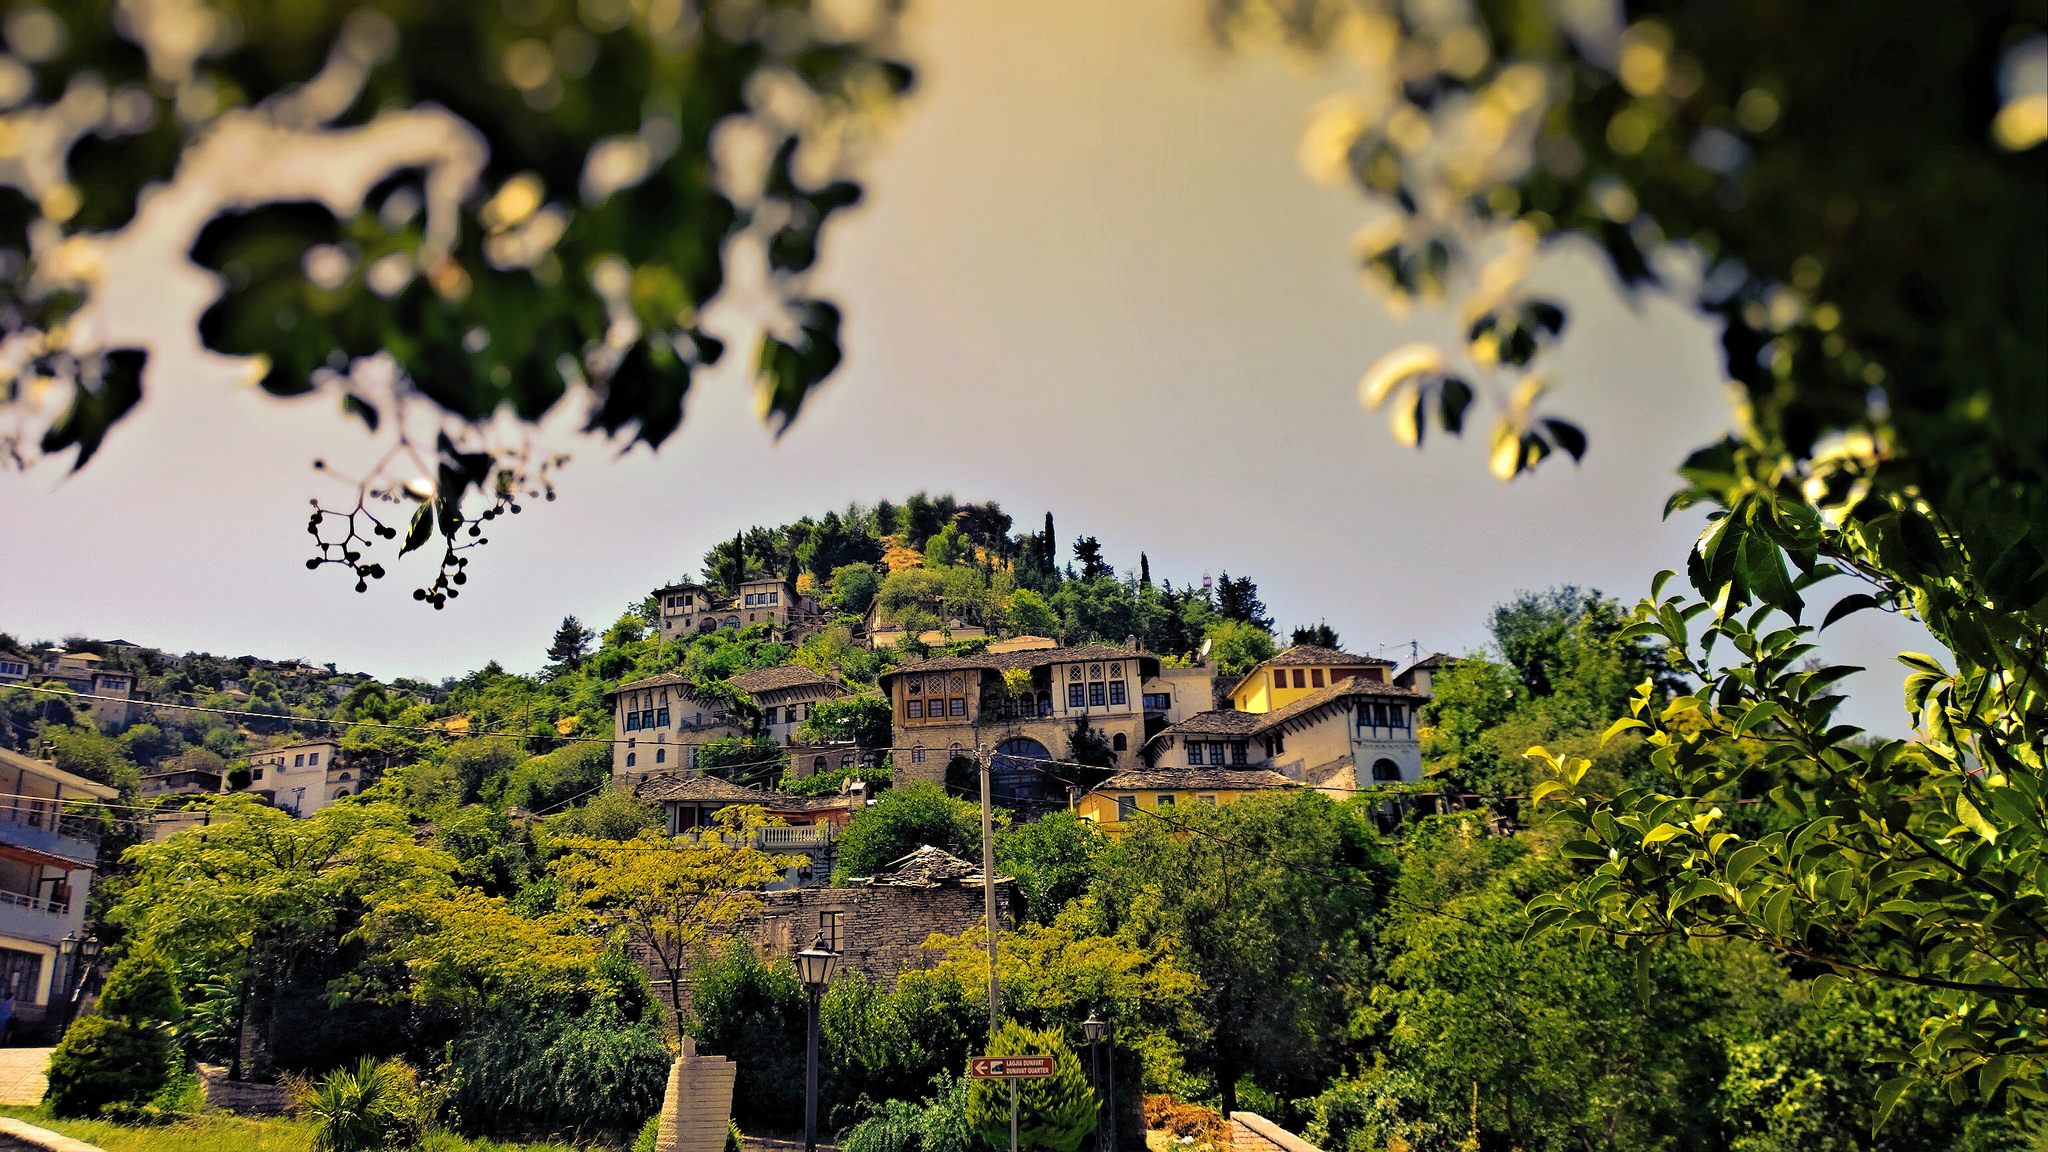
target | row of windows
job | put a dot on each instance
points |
(794, 713)
(754, 598)
(1097, 694)
(683, 601)
(1382, 715)
(647, 718)
(1158, 701)
(660, 757)
(1215, 752)
(1314, 678)
(938, 708)
(1126, 806)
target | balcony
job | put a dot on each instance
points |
(33, 918)
(775, 838)
(40, 828)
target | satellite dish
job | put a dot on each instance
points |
(1205, 648)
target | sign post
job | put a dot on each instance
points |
(1013, 1069)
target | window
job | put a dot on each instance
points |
(1194, 754)
(1279, 677)
(768, 715)
(1165, 800)
(1096, 699)
(1075, 697)
(957, 706)
(936, 708)
(828, 927)
(1126, 806)
(775, 598)
(846, 761)
(1209, 800)
(661, 755)
(343, 776)
(1237, 752)
(256, 774)
(1279, 744)
(818, 765)
(750, 599)
(632, 758)
(1386, 770)
(917, 754)
(1158, 701)
(914, 709)
(1299, 679)
(312, 758)
(1315, 677)
(1397, 715)
(1117, 692)
(661, 716)
(1216, 754)
(916, 688)
(299, 761)
(1119, 743)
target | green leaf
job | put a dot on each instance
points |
(1661, 833)
(422, 528)
(1757, 714)
(1974, 820)
(1618, 727)
(1888, 1099)
(1743, 860)
(1847, 605)
(1582, 850)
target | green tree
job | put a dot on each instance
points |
(1055, 1112)
(750, 762)
(511, 175)
(1030, 615)
(1888, 337)
(1238, 646)
(946, 548)
(1088, 550)
(1270, 902)
(754, 1011)
(571, 641)
(1238, 599)
(853, 588)
(1321, 636)
(905, 819)
(865, 719)
(1053, 860)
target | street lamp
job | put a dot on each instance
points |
(86, 950)
(1096, 1029)
(814, 967)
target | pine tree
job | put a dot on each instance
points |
(1320, 636)
(1239, 600)
(1057, 1112)
(1088, 551)
(572, 640)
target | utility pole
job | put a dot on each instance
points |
(988, 890)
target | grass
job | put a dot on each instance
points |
(220, 1132)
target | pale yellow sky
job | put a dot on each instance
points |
(1087, 277)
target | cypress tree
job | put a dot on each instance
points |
(1049, 552)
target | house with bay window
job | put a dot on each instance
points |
(657, 724)
(1355, 733)
(1025, 705)
(47, 858)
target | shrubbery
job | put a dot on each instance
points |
(103, 1060)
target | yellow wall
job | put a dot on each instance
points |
(1100, 807)
(1259, 695)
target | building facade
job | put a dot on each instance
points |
(657, 726)
(1026, 706)
(1357, 733)
(1128, 796)
(305, 777)
(46, 867)
(786, 696)
(689, 608)
(1300, 671)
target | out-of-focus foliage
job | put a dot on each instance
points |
(1853, 194)
(432, 213)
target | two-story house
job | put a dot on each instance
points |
(1026, 706)
(657, 725)
(13, 667)
(786, 696)
(305, 777)
(1354, 733)
(689, 608)
(46, 866)
(87, 675)
(1423, 673)
(1130, 796)
(1299, 671)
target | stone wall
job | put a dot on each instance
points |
(1251, 1132)
(241, 1097)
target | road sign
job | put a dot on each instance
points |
(1009, 1067)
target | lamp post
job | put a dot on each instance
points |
(814, 967)
(86, 950)
(1095, 1028)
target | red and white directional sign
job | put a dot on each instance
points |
(1009, 1067)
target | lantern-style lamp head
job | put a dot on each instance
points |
(89, 947)
(814, 965)
(1095, 1028)
(69, 944)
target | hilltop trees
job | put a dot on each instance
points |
(571, 641)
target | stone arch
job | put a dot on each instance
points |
(1018, 771)
(1386, 771)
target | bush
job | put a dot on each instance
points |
(597, 1070)
(937, 1125)
(755, 1013)
(103, 1060)
(904, 819)
(1057, 1112)
(373, 1105)
(652, 1129)
(141, 988)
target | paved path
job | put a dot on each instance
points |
(23, 1074)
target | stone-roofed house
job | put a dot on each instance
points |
(1125, 796)
(658, 722)
(879, 923)
(947, 706)
(1320, 738)
(1423, 673)
(786, 695)
(688, 608)
(1300, 670)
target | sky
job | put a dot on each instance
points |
(1088, 277)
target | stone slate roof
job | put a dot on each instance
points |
(1028, 658)
(779, 678)
(703, 789)
(928, 867)
(665, 680)
(1223, 722)
(1228, 723)
(1311, 654)
(1196, 780)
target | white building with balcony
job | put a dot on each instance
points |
(46, 865)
